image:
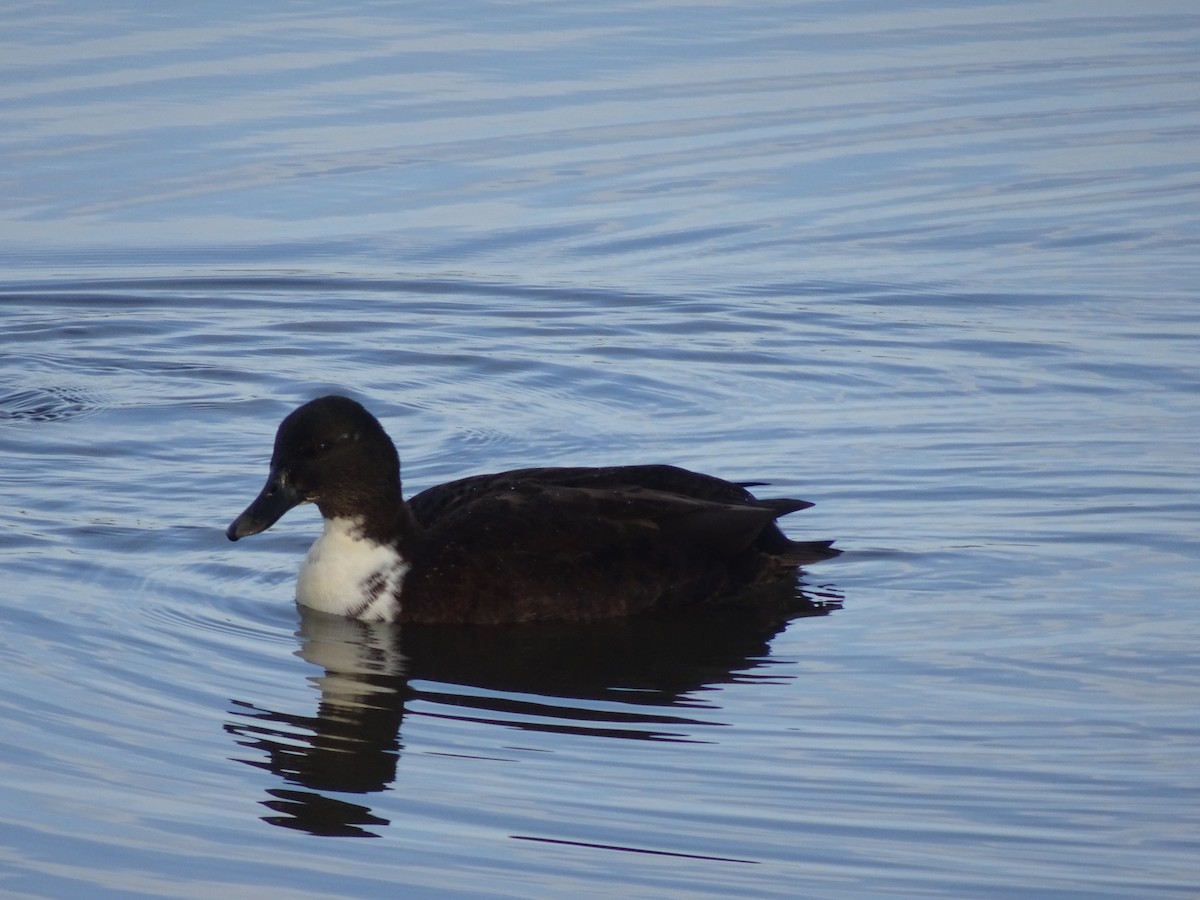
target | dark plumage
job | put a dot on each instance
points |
(530, 544)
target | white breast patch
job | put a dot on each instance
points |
(348, 575)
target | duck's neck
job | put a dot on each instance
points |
(379, 509)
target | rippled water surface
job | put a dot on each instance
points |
(932, 267)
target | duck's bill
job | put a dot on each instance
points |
(276, 498)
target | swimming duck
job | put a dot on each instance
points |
(530, 544)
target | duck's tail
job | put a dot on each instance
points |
(788, 552)
(800, 553)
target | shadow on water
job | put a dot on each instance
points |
(535, 677)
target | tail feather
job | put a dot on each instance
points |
(802, 552)
(781, 506)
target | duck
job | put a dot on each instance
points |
(534, 544)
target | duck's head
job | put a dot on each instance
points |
(330, 452)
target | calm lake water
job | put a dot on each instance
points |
(932, 266)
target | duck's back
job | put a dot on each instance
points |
(436, 502)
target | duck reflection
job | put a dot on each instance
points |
(537, 677)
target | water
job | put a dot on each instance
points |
(930, 267)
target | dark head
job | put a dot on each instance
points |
(330, 452)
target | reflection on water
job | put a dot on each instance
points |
(352, 742)
(620, 679)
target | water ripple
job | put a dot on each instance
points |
(932, 267)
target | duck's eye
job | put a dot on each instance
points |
(329, 443)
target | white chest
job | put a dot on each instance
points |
(348, 575)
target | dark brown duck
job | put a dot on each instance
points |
(525, 545)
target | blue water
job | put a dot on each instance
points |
(933, 268)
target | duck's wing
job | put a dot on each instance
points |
(561, 521)
(518, 549)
